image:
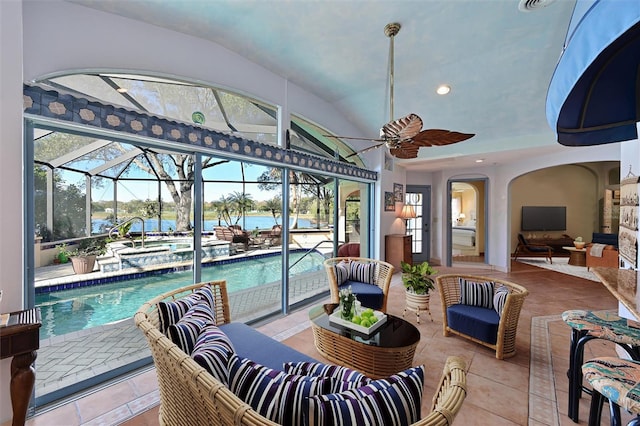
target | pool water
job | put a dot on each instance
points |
(77, 309)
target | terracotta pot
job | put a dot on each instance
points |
(83, 264)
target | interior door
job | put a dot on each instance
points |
(466, 224)
(419, 196)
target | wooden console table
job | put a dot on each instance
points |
(20, 339)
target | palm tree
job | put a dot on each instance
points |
(274, 206)
(241, 202)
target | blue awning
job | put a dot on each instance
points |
(594, 94)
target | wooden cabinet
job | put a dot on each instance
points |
(397, 248)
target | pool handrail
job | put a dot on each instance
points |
(115, 228)
(309, 251)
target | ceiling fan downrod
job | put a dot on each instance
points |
(390, 30)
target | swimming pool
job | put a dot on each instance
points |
(77, 309)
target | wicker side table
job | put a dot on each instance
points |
(388, 350)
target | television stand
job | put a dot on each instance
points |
(556, 243)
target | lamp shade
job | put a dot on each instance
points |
(407, 212)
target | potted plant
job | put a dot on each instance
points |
(418, 283)
(83, 258)
(579, 243)
(63, 254)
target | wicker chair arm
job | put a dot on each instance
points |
(449, 396)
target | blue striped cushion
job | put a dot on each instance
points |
(474, 293)
(171, 312)
(185, 332)
(342, 271)
(363, 272)
(500, 298)
(393, 401)
(212, 351)
(276, 395)
(344, 378)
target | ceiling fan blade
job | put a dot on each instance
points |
(406, 150)
(353, 138)
(402, 128)
(362, 151)
(438, 137)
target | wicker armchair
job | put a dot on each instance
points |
(384, 271)
(449, 289)
(449, 396)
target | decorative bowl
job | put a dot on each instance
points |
(579, 244)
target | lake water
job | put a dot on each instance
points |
(250, 223)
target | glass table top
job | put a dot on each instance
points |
(395, 333)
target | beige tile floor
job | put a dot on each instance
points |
(498, 391)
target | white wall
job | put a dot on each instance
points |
(10, 172)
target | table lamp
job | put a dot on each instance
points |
(408, 212)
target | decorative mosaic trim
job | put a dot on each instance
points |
(61, 106)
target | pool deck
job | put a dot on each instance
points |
(71, 358)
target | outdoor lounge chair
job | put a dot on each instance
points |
(525, 249)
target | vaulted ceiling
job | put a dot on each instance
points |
(497, 58)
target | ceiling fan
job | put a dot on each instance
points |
(405, 136)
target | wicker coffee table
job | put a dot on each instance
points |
(388, 350)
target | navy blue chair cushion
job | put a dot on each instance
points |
(609, 239)
(369, 295)
(537, 249)
(250, 343)
(474, 321)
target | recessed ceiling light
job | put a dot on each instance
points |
(480, 160)
(121, 90)
(443, 89)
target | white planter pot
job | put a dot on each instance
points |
(417, 303)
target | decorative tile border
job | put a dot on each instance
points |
(543, 406)
(42, 102)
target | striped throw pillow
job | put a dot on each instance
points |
(342, 271)
(185, 332)
(276, 395)
(170, 312)
(363, 272)
(476, 293)
(392, 401)
(500, 298)
(212, 351)
(344, 378)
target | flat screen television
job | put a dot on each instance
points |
(543, 218)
